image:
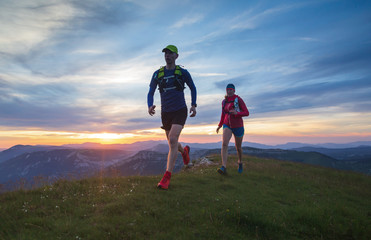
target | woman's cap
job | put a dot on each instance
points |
(231, 86)
(172, 48)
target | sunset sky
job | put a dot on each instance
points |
(76, 71)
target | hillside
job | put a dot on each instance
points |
(26, 165)
(59, 163)
(347, 154)
(354, 159)
(271, 200)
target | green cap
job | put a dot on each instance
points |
(171, 48)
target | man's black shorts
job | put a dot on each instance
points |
(170, 118)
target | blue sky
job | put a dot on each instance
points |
(71, 70)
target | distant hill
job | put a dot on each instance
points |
(145, 163)
(294, 145)
(137, 146)
(54, 164)
(143, 145)
(354, 159)
(28, 162)
(21, 149)
(354, 153)
(161, 148)
(313, 158)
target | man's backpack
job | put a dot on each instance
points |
(162, 82)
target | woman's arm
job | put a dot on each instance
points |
(244, 111)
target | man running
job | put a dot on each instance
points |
(170, 80)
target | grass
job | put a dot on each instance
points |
(270, 200)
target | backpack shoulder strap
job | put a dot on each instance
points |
(179, 78)
(236, 105)
(161, 72)
(178, 70)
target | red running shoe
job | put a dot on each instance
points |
(185, 155)
(165, 181)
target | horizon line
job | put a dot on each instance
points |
(218, 142)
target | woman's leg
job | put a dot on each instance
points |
(238, 143)
(227, 134)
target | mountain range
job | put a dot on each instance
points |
(26, 162)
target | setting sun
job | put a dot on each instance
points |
(106, 136)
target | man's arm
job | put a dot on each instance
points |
(192, 87)
(151, 92)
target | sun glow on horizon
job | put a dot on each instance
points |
(104, 136)
(35, 137)
(304, 127)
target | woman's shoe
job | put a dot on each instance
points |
(222, 170)
(240, 169)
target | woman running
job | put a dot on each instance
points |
(233, 109)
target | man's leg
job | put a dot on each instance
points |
(180, 148)
(185, 153)
(172, 138)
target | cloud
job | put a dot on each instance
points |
(239, 81)
(251, 19)
(103, 14)
(188, 20)
(325, 94)
(321, 66)
(210, 74)
(307, 39)
(348, 60)
(62, 35)
(243, 20)
(26, 24)
(22, 114)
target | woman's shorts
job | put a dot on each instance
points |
(237, 132)
(169, 118)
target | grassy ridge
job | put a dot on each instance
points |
(270, 200)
